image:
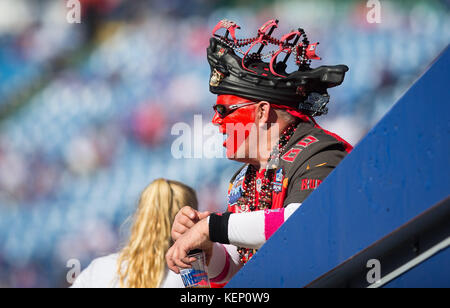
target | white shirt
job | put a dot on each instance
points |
(102, 273)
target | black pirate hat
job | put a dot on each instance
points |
(252, 78)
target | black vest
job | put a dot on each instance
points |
(310, 155)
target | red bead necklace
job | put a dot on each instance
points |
(264, 187)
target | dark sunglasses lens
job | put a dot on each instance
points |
(221, 110)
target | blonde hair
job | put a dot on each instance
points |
(141, 263)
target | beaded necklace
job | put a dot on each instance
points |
(264, 186)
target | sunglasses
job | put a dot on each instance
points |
(224, 110)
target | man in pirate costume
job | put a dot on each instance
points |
(293, 153)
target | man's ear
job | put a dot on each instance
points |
(263, 111)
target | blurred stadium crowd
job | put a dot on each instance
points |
(86, 109)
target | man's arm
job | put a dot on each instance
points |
(224, 263)
(250, 230)
(253, 229)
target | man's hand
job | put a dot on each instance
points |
(186, 218)
(196, 237)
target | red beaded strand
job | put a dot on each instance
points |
(247, 203)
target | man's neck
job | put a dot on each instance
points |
(263, 153)
(275, 132)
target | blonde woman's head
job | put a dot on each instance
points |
(142, 261)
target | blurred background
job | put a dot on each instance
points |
(86, 109)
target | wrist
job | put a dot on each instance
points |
(205, 227)
(218, 228)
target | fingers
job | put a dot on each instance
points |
(171, 265)
(189, 212)
(183, 222)
(193, 215)
(177, 258)
(170, 262)
(195, 237)
(187, 221)
(186, 218)
(178, 229)
(184, 262)
(202, 215)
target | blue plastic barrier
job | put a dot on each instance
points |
(398, 171)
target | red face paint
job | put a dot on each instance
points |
(236, 125)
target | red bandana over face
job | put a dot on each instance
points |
(236, 125)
